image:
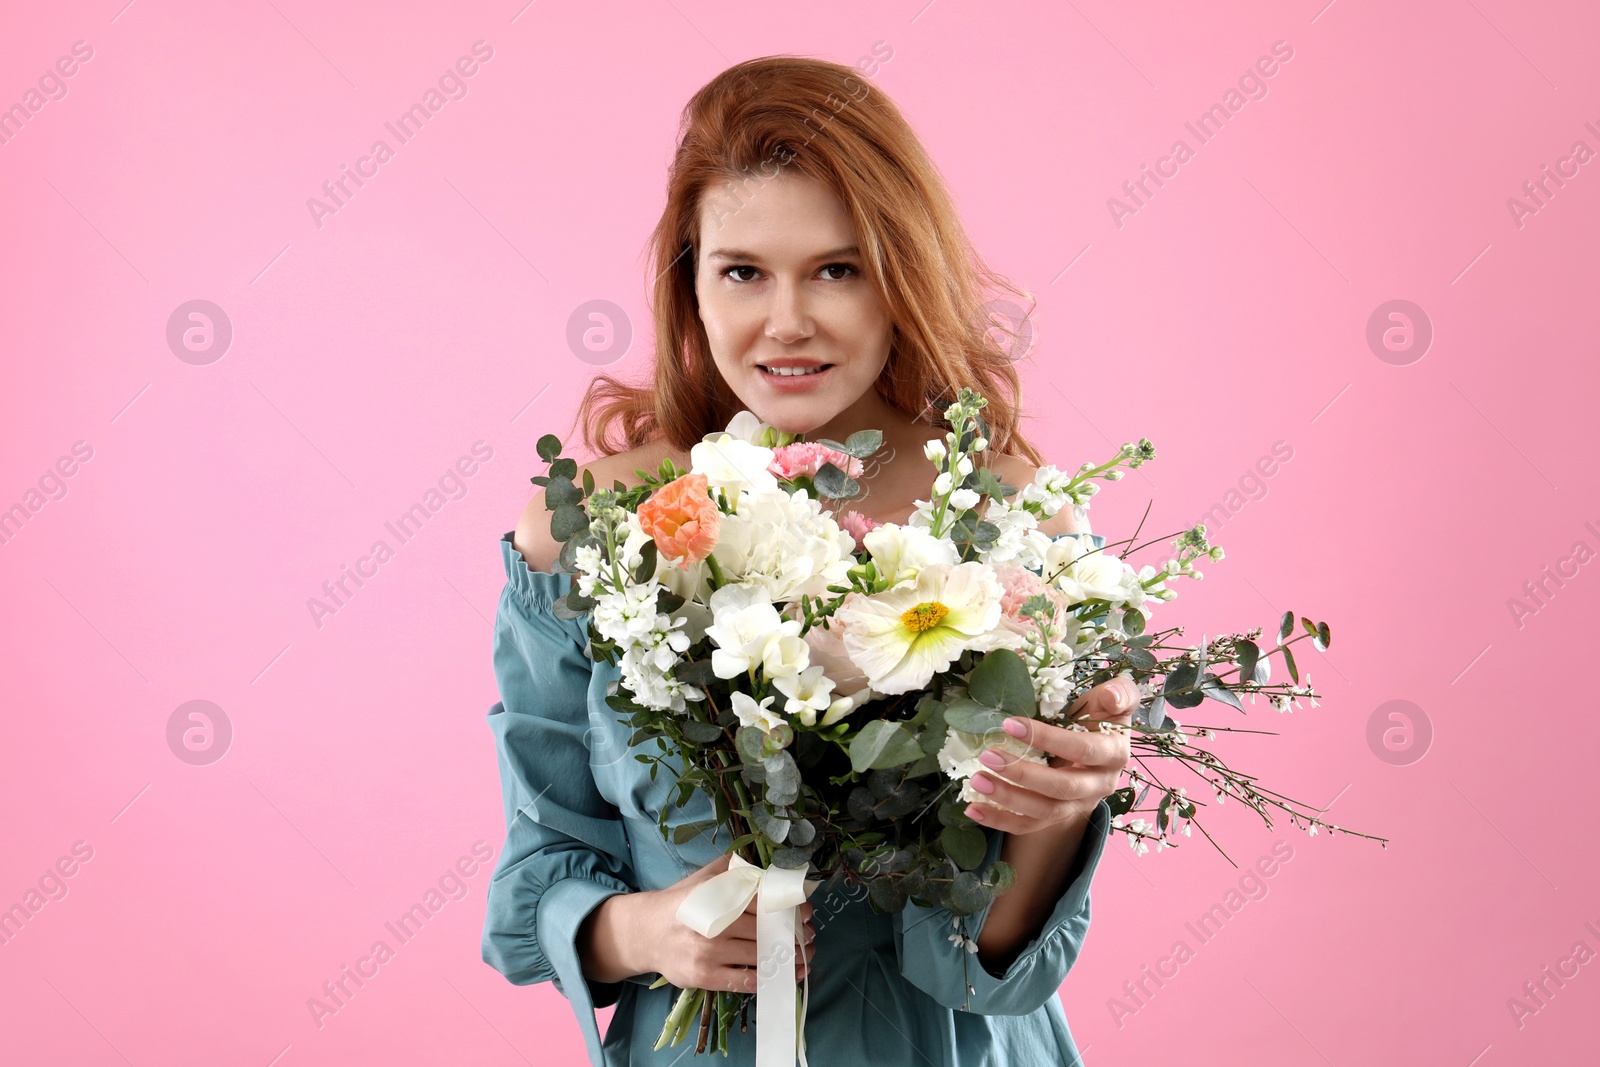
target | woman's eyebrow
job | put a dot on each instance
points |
(741, 254)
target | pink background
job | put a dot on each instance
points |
(371, 352)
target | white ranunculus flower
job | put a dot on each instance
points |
(900, 552)
(731, 464)
(759, 715)
(744, 624)
(809, 692)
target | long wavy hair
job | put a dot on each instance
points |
(789, 114)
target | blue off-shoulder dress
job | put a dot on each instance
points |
(582, 822)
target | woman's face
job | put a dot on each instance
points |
(780, 285)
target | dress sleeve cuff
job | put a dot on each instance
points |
(561, 913)
(935, 964)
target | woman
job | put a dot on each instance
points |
(810, 269)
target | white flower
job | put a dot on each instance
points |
(943, 483)
(745, 625)
(935, 450)
(747, 426)
(784, 542)
(758, 715)
(731, 464)
(964, 499)
(902, 636)
(1089, 573)
(809, 692)
(900, 552)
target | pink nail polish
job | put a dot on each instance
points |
(974, 812)
(1015, 727)
(982, 784)
(991, 758)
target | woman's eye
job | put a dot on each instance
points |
(840, 266)
(730, 270)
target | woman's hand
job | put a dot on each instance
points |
(1084, 765)
(689, 959)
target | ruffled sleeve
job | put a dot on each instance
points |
(565, 849)
(932, 962)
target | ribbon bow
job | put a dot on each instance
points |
(778, 892)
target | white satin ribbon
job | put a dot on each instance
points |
(778, 891)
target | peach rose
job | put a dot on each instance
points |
(682, 520)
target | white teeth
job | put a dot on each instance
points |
(789, 372)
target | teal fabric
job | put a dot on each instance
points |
(582, 823)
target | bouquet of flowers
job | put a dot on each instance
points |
(831, 686)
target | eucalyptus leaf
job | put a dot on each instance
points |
(883, 744)
(835, 484)
(967, 894)
(569, 520)
(701, 733)
(964, 844)
(1213, 688)
(863, 443)
(564, 468)
(561, 491)
(1001, 681)
(549, 447)
(1249, 653)
(1324, 637)
(886, 895)
(972, 717)
(792, 859)
(1288, 662)
(1285, 626)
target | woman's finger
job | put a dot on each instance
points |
(1113, 700)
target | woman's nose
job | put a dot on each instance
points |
(788, 320)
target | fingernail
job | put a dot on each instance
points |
(991, 758)
(982, 784)
(1015, 727)
(974, 812)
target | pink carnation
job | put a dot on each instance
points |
(856, 524)
(805, 459)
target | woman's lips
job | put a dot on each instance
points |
(791, 383)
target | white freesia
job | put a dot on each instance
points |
(1090, 573)
(759, 715)
(900, 552)
(747, 426)
(745, 624)
(731, 465)
(809, 692)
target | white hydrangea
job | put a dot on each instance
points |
(784, 542)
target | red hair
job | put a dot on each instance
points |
(821, 120)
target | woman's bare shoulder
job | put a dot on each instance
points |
(533, 538)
